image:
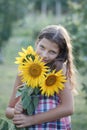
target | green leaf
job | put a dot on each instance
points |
(26, 101)
(30, 91)
(33, 104)
(30, 55)
(35, 101)
(24, 93)
(20, 90)
(31, 108)
(18, 94)
(36, 91)
(4, 125)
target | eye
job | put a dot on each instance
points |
(52, 52)
(42, 47)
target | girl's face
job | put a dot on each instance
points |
(47, 50)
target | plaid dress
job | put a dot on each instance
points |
(45, 104)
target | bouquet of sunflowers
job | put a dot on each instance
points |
(37, 78)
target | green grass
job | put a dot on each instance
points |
(8, 72)
(79, 119)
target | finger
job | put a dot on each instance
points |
(20, 126)
(17, 122)
(18, 109)
(18, 104)
(17, 117)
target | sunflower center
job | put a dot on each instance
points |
(35, 70)
(51, 80)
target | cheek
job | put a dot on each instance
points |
(52, 57)
(37, 49)
(38, 52)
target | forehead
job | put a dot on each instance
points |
(48, 44)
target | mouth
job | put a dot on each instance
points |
(46, 61)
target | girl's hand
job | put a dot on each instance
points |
(18, 108)
(21, 120)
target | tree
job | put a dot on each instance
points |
(78, 28)
(10, 11)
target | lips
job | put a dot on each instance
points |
(46, 61)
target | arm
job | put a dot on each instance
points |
(64, 109)
(13, 100)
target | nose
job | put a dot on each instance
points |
(44, 54)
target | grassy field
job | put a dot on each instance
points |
(8, 72)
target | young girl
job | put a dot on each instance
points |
(52, 113)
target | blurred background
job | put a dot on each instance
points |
(20, 23)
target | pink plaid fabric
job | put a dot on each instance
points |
(46, 104)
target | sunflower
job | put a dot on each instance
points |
(33, 72)
(54, 82)
(25, 54)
